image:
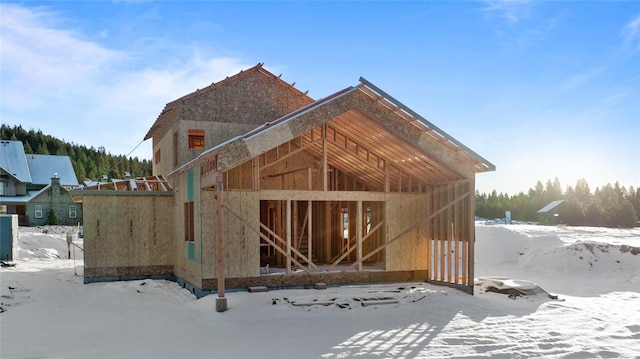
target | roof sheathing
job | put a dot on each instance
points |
(447, 157)
(234, 144)
(417, 120)
(164, 118)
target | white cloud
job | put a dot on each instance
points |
(632, 32)
(511, 10)
(37, 58)
(55, 80)
(581, 79)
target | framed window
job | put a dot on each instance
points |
(189, 229)
(156, 156)
(1, 188)
(72, 211)
(196, 139)
(38, 211)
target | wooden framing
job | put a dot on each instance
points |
(363, 153)
(353, 187)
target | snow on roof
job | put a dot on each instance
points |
(45, 167)
(550, 206)
(12, 160)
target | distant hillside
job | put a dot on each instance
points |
(88, 163)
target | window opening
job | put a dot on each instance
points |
(196, 139)
(38, 211)
(189, 228)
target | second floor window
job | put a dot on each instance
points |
(196, 139)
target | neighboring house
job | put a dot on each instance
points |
(269, 187)
(553, 213)
(31, 185)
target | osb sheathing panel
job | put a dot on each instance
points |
(409, 252)
(214, 134)
(165, 145)
(297, 174)
(188, 269)
(224, 112)
(254, 99)
(241, 242)
(127, 231)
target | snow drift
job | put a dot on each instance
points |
(50, 313)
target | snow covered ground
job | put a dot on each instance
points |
(595, 272)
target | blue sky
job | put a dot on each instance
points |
(541, 89)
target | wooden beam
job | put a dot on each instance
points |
(472, 234)
(350, 248)
(309, 231)
(280, 174)
(302, 148)
(288, 235)
(293, 250)
(220, 225)
(359, 236)
(303, 195)
(325, 164)
(408, 230)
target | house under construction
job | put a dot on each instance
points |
(259, 183)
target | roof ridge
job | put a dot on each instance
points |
(215, 84)
(257, 68)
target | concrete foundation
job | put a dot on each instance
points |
(221, 304)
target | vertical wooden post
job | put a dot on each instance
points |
(221, 301)
(450, 249)
(255, 172)
(439, 236)
(327, 230)
(359, 235)
(325, 166)
(456, 223)
(465, 232)
(309, 233)
(429, 234)
(294, 226)
(472, 232)
(288, 235)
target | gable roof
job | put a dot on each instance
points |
(167, 114)
(33, 168)
(385, 129)
(550, 206)
(44, 167)
(13, 161)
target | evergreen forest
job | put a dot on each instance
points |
(608, 206)
(90, 164)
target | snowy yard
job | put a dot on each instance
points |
(49, 313)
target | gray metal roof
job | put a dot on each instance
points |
(44, 167)
(12, 160)
(19, 199)
(550, 206)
